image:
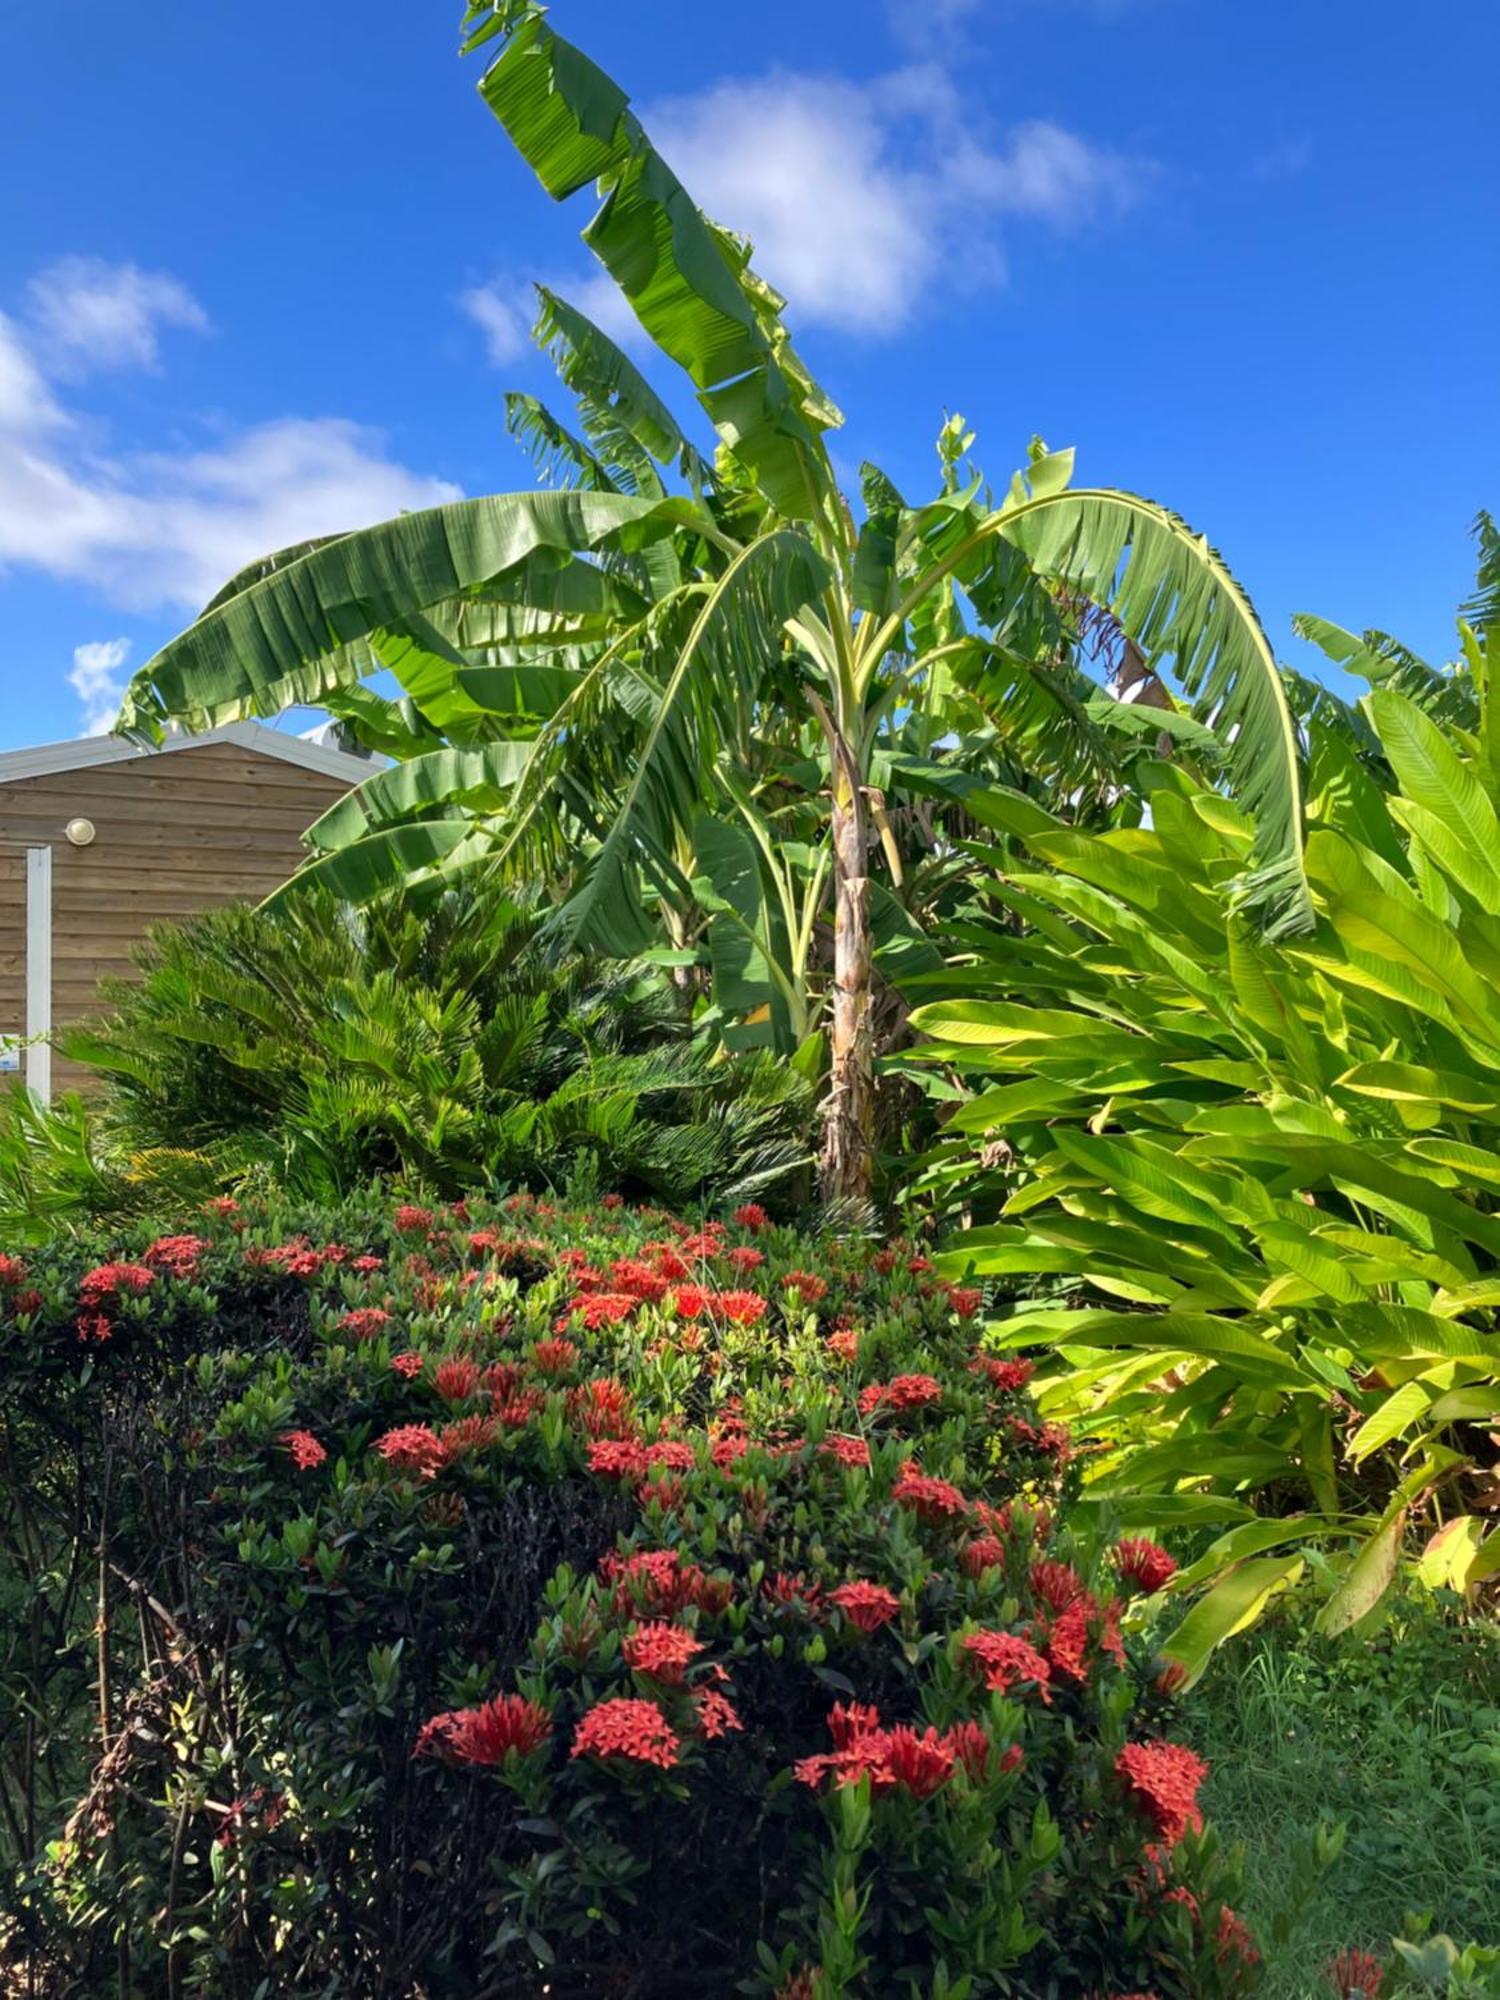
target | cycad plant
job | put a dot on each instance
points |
(1254, 1186)
(321, 1047)
(582, 669)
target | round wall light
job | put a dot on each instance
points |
(80, 832)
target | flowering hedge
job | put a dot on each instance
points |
(521, 1600)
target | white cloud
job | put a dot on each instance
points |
(863, 199)
(25, 400)
(503, 324)
(89, 315)
(162, 530)
(96, 680)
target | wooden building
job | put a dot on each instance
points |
(99, 839)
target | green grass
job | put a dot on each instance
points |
(1398, 1736)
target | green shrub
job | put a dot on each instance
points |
(721, 1587)
(315, 1048)
(1255, 1183)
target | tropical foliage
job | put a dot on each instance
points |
(312, 1048)
(1254, 1182)
(573, 1601)
(625, 687)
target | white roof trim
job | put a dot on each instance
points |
(85, 752)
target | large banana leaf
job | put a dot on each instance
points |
(1177, 599)
(284, 639)
(688, 282)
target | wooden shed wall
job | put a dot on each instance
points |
(174, 833)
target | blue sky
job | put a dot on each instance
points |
(269, 276)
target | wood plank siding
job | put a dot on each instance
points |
(208, 824)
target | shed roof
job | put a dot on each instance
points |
(84, 752)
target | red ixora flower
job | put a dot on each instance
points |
(808, 1286)
(554, 1357)
(1005, 1660)
(844, 1343)
(847, 1450)
(406, 1364)
(364, 1322)
(1145, 1563)
(408, 1218)
(12, 1270)
(929, 1499)
(965, 1300)
(750, 1215)
(662, 1651)
(717, 1715)
(902, 1392)
(176, 1256)
(919, 1762)
(1009, 1377)
(634, 1730)
(304, 1447)
(866, 1605)
(742, 1308)
(457, 1379)
(1355, 1974)
(660, 1583)
(412, 1448)
(1161, 1780)
(108, 1282)
(618, 1458)
(604, 1308)
(490, 1734)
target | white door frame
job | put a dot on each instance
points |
(39, 972)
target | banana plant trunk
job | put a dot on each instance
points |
(847, 1168)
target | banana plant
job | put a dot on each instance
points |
(680, 590)
(1250, 1188)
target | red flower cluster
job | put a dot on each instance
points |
(509, 1726)
(409, 1219)
(12, 1270)
(847, 1450)
(602, 1408)
(662, 1651)
(934, 1500)
(412, 1448)
(305, 1450)
(902, 1392)
(741, 1308)
(1145, 1563)
(1006, 1660)
(752, 1216)
(965, 1300)
(457, 1379)
(919, 1763)
(1008, 1377)
(807, 1285)
(408, 1364)
(107, 1283)
(176, 1256)
(1161, 1781)
(1356, 1975)
(866, 1605)
(618, 1458)
(634, 1730)
(660, 1583)
(365, 1322)
(554, 1357)
(717, 1716)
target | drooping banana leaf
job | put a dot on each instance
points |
(284, 640)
